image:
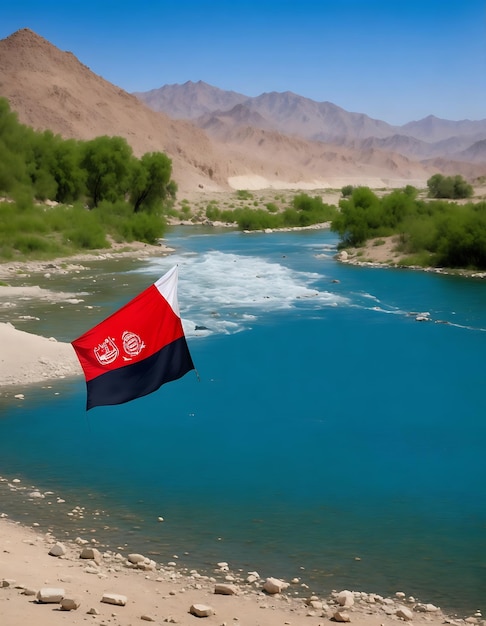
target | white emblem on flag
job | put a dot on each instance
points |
(107, 351)
(132, 344)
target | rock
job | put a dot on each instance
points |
(147, 618)
(317, 605)
(7, 582)
(80, 541)
(147, 565)
(274, 585)
(136, 558)
(342, 256)
(70, 603)
(404, 613)
(93, 611)
(226, 589)
(29, 592)
(57, 549)
(50, 595)
(91, 553)
(201, 610)
(114, 598)
(422, 317)
(425, 608)
(341, 616)
(345, 598)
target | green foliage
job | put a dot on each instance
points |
(244, 194)
(304, 211)
(359, 216)
(102, 173)
(454, 187)
(347, 190)
(123, 224)
(440, 233)
(149, 182)
(107, 162)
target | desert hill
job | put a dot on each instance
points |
(292, 114)
(225, 140)
(51, 90)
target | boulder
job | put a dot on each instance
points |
(274, 585)
(57, 549)
(91, 553)
(70, 603)
(226, 589)
(114, 598)
(345, 598)
(50, 595)
(135, 558)
(341, 616)
(404, 613)
(201, 610)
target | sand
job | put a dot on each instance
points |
(163, 593)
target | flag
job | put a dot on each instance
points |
(136, 349)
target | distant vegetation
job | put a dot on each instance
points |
(302, 211)
(64, 196)
(432, 233)
(90, 191)
(454, 187)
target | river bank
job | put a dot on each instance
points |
(289, 609)
(46, 580)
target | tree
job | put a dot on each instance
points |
(150, 180)
(108, 163)
(67, 171)
(454, 187)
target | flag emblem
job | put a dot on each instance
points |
(120, 365)
(132, 344)
(106, 352)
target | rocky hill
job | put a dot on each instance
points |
(295, 115)
(220, 140)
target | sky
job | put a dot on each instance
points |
(394, 60)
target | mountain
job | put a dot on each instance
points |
(295, 115)
(190, 102)
(51, 90)
(226, 140)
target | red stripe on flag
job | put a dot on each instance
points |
(136, 331)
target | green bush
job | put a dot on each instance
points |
(453, 187)
(439, 232)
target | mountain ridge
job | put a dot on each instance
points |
(324, 121)
(240, 147)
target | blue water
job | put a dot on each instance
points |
(327, 426)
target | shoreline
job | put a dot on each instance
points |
(84, 570)
(174, 589)
(382, 253)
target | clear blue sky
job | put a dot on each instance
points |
(395, 60)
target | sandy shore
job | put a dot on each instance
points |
(26, 358)
(86, 577)
(161, 593)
